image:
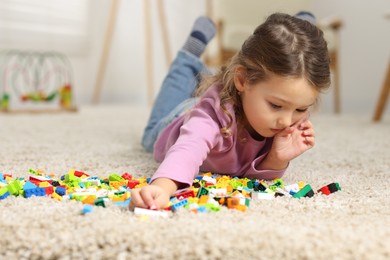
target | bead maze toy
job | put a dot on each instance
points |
(32, 81)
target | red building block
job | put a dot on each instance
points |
(132, 183)
(185, 194)
(127, 176)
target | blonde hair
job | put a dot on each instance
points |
(283, 45)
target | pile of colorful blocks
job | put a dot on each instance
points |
(209, 193)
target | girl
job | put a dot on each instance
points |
(250, 121)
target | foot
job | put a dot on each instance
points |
(307, 16)
(202, 32)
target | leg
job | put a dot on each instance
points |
(177, 86)
(181, 80)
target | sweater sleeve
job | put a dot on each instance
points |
(198, 135)
(254, 171)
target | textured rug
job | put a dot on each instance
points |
(353, 223)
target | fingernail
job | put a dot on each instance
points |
(153, 207)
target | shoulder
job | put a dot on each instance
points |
(209, 105)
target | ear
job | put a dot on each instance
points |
(239, 78)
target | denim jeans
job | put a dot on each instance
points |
(175, 96)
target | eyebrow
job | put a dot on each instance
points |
(288, 102)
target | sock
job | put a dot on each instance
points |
(202, 32)
(307, 16)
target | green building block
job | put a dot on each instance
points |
(115, 177)
(306, 191)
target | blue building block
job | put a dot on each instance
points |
(87, 209)
(5, 195)
(60, 191)
(29, 185)
(179, 204)
(39, 192)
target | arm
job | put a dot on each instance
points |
(181, 162)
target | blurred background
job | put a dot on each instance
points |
(120, 50)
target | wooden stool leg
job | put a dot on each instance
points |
(336, 85)
(380, 106)
(105, 52)
(149, 52)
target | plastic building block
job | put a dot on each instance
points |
(262, 196)
(100, 202)
(202, 191)
(330, 188)
(87, 209)
(260, 186)
(14, 187)
(132, 183)
(179, 204)
(60, 191)
(80, 174)
(218, 192)
(152, 213)
(278, 183)
(232, 203)
(127, 176)
(292, 188)
(115, 177)
(185, 194)
(306, 191)
(49, 190)
(37, 178)
(34, 192)
(4, 193)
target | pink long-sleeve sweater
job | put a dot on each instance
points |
(193, 142)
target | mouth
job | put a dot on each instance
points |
(274, 130)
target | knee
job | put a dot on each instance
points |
(147, 143)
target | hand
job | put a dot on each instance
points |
(293, 141)
(150, 197)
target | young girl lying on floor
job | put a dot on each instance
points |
(250, 121)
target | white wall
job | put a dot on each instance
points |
(365, 50)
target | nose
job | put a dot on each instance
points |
(284, 121)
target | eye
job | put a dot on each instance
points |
(301, 110)
(274, 106)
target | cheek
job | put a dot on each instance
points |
(299, 117)
(256, 111)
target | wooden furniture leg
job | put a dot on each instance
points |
(381, 104)
(149, 52)
(106, 50)
(164, 32)
(336, 25)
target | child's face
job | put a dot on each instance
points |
(271, 106)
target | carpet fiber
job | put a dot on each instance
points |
(353, 223)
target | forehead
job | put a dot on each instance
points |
(292, 91)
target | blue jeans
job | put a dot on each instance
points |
(175, 96)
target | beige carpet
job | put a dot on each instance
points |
(351, 224)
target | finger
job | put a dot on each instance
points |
(161, 201)
(308, 132)
(309, 141)
(147, 196)
(305, 125)
(136, 200)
